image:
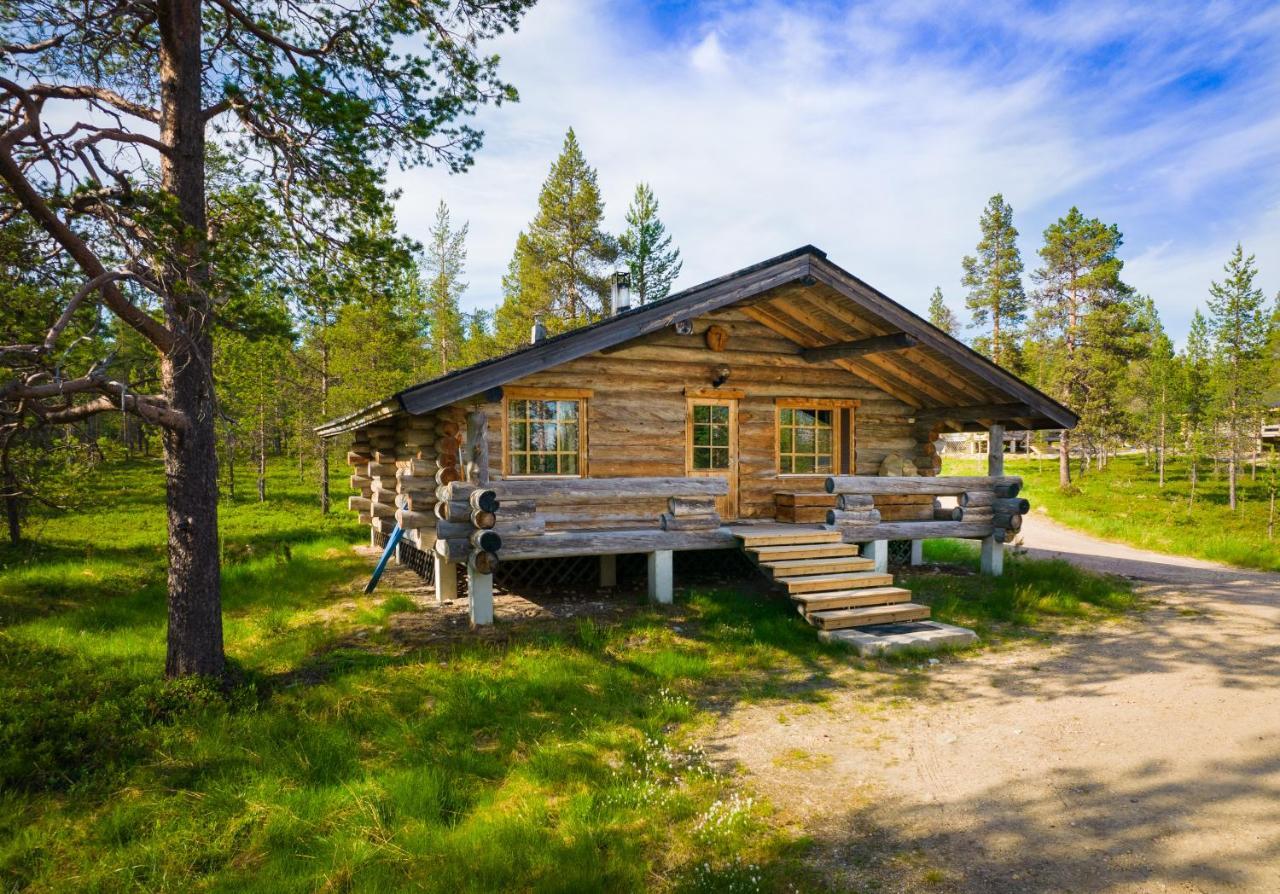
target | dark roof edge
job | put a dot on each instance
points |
(376, 412)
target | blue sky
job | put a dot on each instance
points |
(877, 131)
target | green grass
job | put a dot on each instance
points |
(1026, 601)
(555, 758)
(1124, 502)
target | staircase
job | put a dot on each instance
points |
(833, 587)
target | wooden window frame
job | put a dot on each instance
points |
(731, 427)
(839, 432)
(583, 398)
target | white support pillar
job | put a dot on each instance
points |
(877, 551)
(992, 557)
(480, 596)
(609, 571)
(917, 552)
(446, 577)
(661, 583)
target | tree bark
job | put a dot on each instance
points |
(191, 458)
(262, 452)
(1064, 459)
(12, 501)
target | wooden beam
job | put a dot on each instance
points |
(941, 485)
(995, 450)
(877, 344)
(974, 412)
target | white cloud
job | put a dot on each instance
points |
(762, 128)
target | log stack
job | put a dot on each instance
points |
(1001, 507)
(907, 508)
(465, 517)
(696, 513)
(853, 511)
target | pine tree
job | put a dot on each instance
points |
(560, 268)
(1079, 288)
(1238, 322)
(993, 277)
(1153, 386)
(940, 315)
(443, 262)
(646, 248)
(1195, 398)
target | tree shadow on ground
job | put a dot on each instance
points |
(1066, 830)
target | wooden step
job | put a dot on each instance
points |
(864, 617)
(779, 538)
(829, 565)
(818, 602)
(803, 551)
(853, 580)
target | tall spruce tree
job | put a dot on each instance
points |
(1153, 386)
(940, 314)
(1238, 322)
(646, 248)
(1079, 287)
(993, 276)
(560, 268)
(444, 261)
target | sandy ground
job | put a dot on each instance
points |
(1139, 756)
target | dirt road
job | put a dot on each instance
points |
(1140, 756)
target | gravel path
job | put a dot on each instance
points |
(1135, 756)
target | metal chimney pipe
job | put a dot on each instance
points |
(621, 291)
(539, 331)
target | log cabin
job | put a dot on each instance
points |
(788, 409)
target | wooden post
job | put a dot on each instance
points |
(877, 551)
(995, 451)
(475, 452)
(661, 589)
(992, 557)
(609, 571)
(480, 596)
(917, 552)
(446, 576)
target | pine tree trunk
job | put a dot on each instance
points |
(324, 414)
(12, 501)
(1161, 448)
(1064, 460)
(231, 463)
(191, 457)
(262, 453)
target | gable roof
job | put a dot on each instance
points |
(942, 377)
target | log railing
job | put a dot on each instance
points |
(988, 506)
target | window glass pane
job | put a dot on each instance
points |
(719, 457)
(519, 436)
(785, 439)
(701, 435)
(803, 464)
(720, 435)
(519, 464)
(786, 465)
(824, 464)
(515, 409)
(720, 414)
(567, 410)
(568, 464)
(701, 413)
(702, 457)
(567, 439)
(788, 417)
(824, 440)
(804, 440)
(824, 418)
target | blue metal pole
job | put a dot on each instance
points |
(392, 542)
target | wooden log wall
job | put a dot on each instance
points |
(987, 507)
(636, 414)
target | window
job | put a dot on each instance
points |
(544, 433)
(806, 441)
(815, 437)
(710, 431)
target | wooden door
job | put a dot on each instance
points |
(711, 447)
